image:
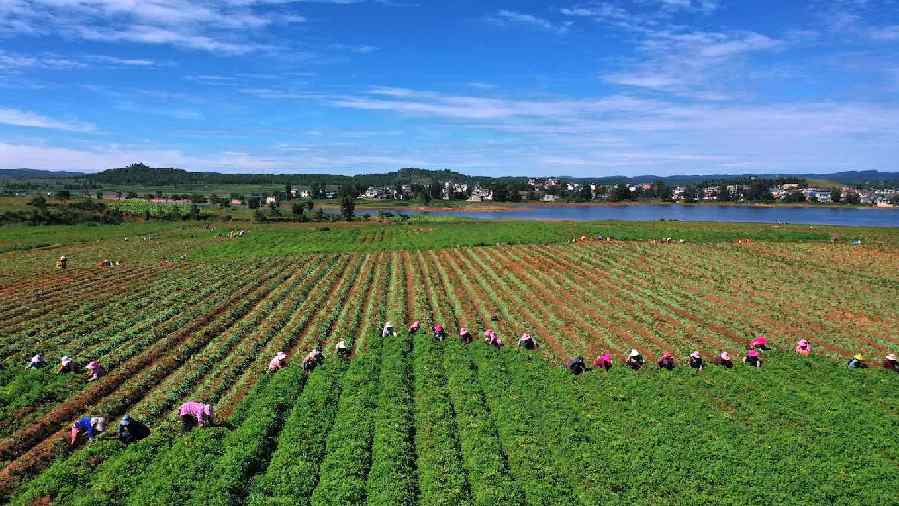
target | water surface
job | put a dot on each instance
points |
(857, 217)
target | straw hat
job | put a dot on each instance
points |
(634, 353)
(725, 355)
(695, 354)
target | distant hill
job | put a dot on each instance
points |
(36, 174)
(143, 175)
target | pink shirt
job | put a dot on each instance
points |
(275, 363)
(197, 410)
(95, 368)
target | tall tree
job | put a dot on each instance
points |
(348, 207)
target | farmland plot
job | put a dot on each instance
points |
(411, 420)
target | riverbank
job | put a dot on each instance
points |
(486, 207)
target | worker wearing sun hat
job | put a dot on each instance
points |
(603, 361)
(890, 362)
(723, 359)
(666, 361)
(131, 430)
(752, 358)
(696, 361)
(278, 362)
(804, 348)
(634, 360)
(857, 362)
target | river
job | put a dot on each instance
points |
(856, 217)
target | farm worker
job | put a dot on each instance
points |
(195, 413)
(752, 358)
(528, 342)
(889, 362)
(576, 365)
(666, 361)
(342, 349)
(62, 262)
(132, 431)
(857, 362)
(278, 362)
(95, 370)
(439, 333)
(413, 329)
(388, 330)
(312, 360)
(465, 335)
(65, 365)
(760, 343)
(634, 360)
(724, 360)
(803, 347)
(37, 361)
(603, 361)
(696, 361)
(90, 426)
(492, 339)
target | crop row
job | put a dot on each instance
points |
(442, 475)
(53, 334)
(343, 471)
(162, 488)
(512, 392)
(130, 381)
(391, 476)
(795, 311)
(107, 340)
(105, 487)
(293, 472)
(24, 313)
(483, 455)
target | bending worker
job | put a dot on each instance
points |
(195, 414)
(132, 431)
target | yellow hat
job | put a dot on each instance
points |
(858, 356)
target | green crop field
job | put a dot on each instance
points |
(193, 312)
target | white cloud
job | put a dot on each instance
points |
(507, 18)
(886, 33)
(691, 64)
(207, 25)
(15, 117)
(628, 134)
(360, 49)
(673, 57)
(128, 62)
(15, 62)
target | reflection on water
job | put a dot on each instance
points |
(859, 217)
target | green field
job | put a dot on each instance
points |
(194, 313)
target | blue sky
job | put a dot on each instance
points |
(521, 87)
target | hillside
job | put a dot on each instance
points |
(37, 174)
(143, 175)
